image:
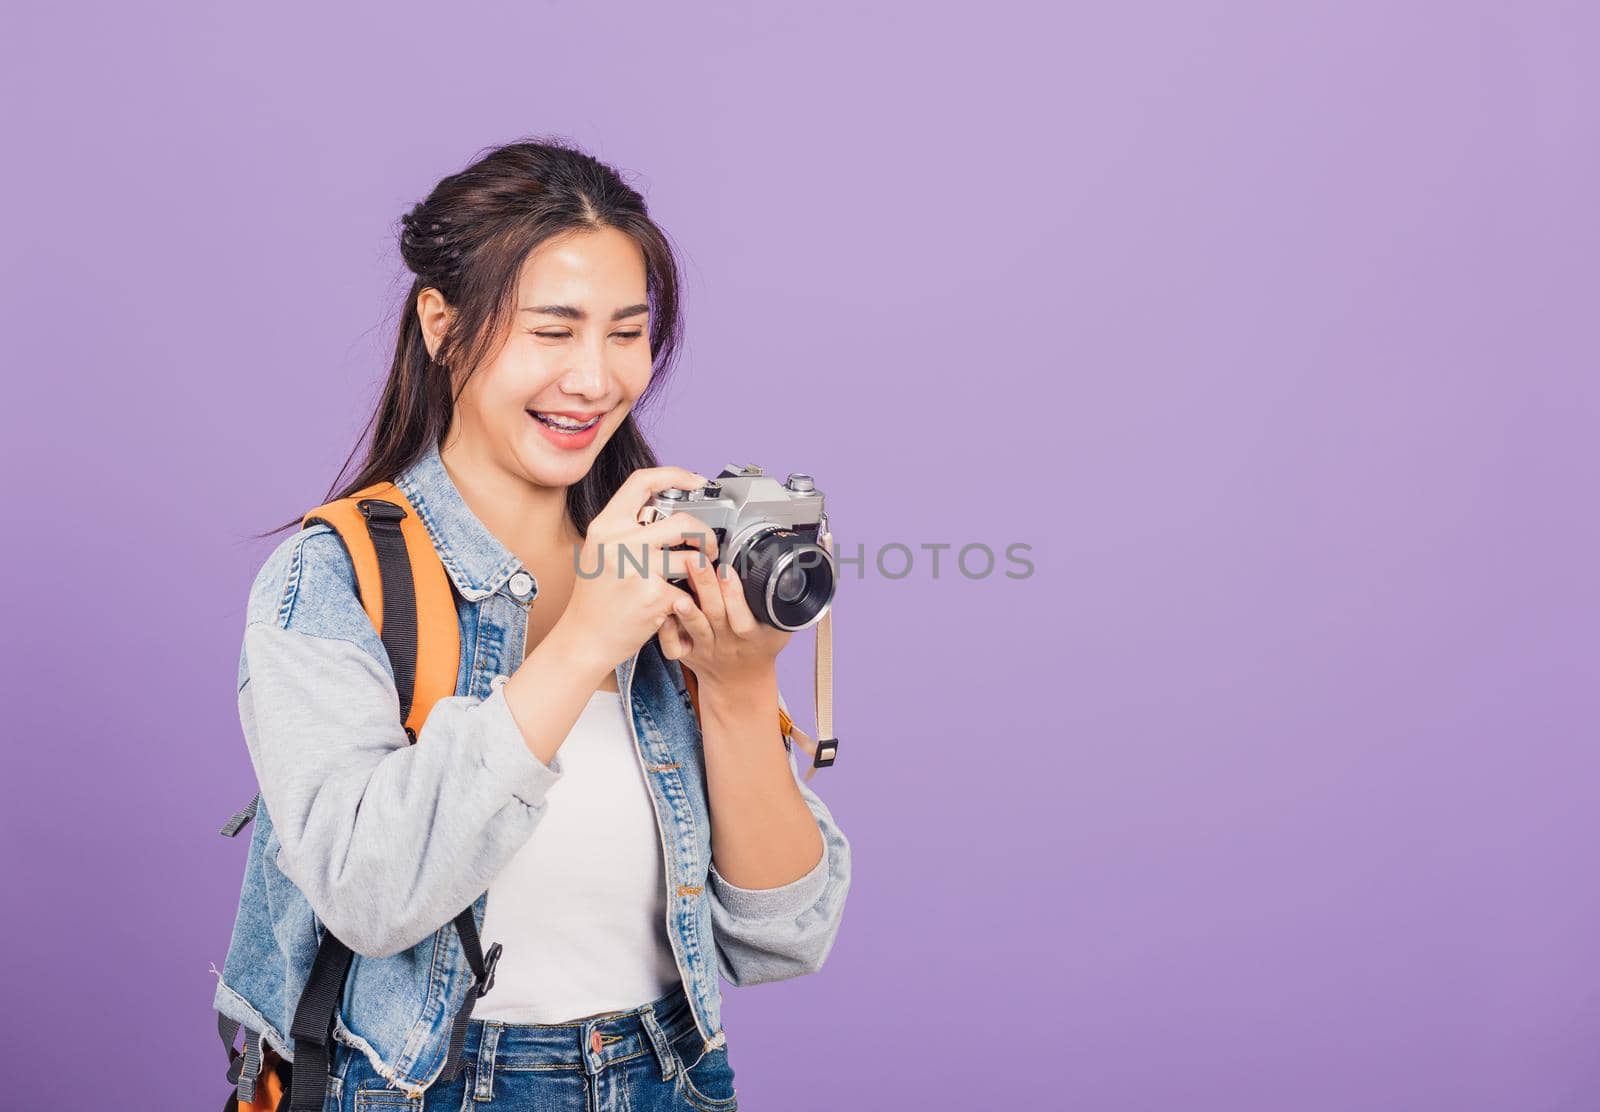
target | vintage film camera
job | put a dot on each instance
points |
(771, 533)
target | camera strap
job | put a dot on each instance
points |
(822, 751)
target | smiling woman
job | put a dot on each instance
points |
(547, 831)
(567, 429)
(575, 361)
(537, 271)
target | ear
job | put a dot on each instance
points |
(434, 314)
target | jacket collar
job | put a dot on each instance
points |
(478, 564)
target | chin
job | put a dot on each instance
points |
(552, 467)
(546, 472)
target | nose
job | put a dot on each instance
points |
(588, 375)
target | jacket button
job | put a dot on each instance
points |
(521, 584)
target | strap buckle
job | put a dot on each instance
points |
(376, 509)
(827, 748)
(491, 958)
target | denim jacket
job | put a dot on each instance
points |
(385, 842)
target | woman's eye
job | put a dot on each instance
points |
(567, 335)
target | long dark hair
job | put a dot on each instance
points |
(468, 240)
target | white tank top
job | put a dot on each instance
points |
(581, 908)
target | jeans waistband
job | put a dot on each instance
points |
(587, 1044)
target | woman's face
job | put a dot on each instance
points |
(576, 359)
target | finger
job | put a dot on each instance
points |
(708, 594)
(740, 620)
(639, 487)
(694, 624)
(678, 528)
(623, 558)
(674, 641)
(679, 563)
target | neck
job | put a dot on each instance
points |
(529, 519)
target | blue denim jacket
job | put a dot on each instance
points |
(385, 842)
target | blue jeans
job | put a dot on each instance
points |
(645, 1060)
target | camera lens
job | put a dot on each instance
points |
(788, 579)
(791, 584)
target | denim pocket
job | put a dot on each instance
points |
(705, 1080)
(386, 1099)
(360, 1083)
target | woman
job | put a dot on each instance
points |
(565, 792)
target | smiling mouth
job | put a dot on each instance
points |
(565, 424)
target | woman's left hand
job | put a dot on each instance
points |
(720, 638)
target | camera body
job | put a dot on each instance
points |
(770, 532)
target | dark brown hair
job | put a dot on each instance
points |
(468, 240)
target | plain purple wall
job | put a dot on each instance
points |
(1269, 326)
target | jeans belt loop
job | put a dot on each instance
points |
(658, 1042)
(483, 1088)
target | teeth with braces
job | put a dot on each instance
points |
(565, 424)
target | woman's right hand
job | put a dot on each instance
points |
(614, 606)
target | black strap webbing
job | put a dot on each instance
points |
(313, 1019)
(399, 595)
(483, 980)
(312, 1030)
(243, 815)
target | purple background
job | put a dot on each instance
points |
(1270, 327)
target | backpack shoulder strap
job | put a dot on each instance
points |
(404, 590)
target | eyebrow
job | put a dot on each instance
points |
(572, 312)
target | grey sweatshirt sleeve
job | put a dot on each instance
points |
(387, 840)
(772, 934)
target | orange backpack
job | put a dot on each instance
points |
(407, 594)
